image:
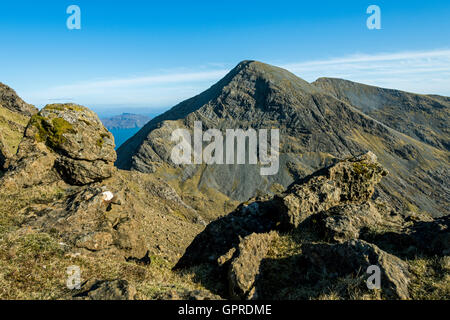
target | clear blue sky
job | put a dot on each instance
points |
(155, 53)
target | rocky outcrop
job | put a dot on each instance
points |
(349, 181)
(14, 115)
(322, 218)
(117, 218)
(10, 100)
(346, 222)
(85, 148)
(96, 210)
(64, 141)
(92, 219)
(244, 268)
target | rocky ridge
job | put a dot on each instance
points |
(423, 117)
(14, 116)
(11, 101)
(328, 220)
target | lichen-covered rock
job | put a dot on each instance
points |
(32, 165)
(88, 221)
(355, 256)
(74, 131)
(85, 148)
(244, 268)
(349, 181)
(64, 141)
(14, 116)
(342, 223)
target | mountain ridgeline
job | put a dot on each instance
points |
(318, 123)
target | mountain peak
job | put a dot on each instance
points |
(263, 69)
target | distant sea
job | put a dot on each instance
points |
(123, 134)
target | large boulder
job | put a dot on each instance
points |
(345, 222)
(244, 268)
(93, 221)
(333, 204)
(64, 141)
(349, 181)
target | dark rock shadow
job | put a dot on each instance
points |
(424, 238)
(225, 233)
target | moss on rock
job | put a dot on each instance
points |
(51, 131)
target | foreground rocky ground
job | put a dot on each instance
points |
(318, 238)
(63, 204)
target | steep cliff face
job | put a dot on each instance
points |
(315, 126)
